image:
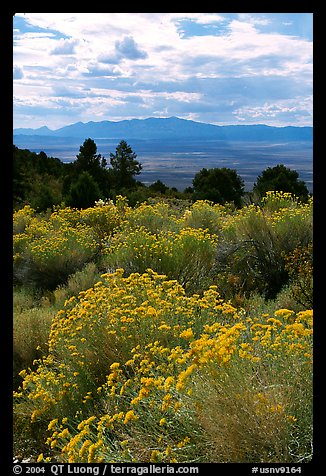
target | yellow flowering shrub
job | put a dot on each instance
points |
(273, 201)
(148, 363)
(21, 218)
(207, 215)
(104, 219)
(50, 249)
(127, 358)
(187, 255)
(254, 243)
(153, 217)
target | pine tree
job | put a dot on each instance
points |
(84, 192)
(88, 159)
(124, 166)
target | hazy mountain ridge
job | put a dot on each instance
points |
(172, 128)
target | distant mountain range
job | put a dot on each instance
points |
(171, 128)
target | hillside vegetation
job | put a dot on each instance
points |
(169, 331)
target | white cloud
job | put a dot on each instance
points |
(127, 48)
(300, 108)
(142, 36)
(123, 51)
(254, 20)
(65, 47)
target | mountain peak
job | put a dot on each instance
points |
(172, 128)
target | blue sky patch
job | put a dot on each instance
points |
(188, 28)
(21, 24)
(219, 68)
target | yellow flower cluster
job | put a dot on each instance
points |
(49, 245)
(104, 220)
(206, 215)
(123, 357)
(154, 218)
(275, 201)
(277, 208)
(21, 218)
(187, 255)
(285, 334)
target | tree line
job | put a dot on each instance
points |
(42, 181)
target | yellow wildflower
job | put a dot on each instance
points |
(52, 424)
(284, 313)
(187, 334)
(130, 416)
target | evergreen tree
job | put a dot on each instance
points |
(84, 192)
(282, 179)
(219, 185)
(124, 166)
(158, 186)
(37, 179)
(88, 160)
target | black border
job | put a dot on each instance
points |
(6, 23)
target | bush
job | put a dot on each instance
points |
(281, 179)
(84, 192)
(299, 265)
(31, 327)
(49, 250)
(268, 420)
(77, 282)
(155, 218)
(154, 365)
(22, 218)
(104, 219)
(139, 372)
(220, 185)
(187, 256)
(31, 332)
(206, 215)
(251, 254)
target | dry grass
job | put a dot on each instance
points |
(31, 328)
(245, 416)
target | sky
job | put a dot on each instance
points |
(218, 68)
